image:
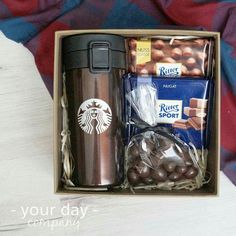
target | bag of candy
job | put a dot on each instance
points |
(160, 160)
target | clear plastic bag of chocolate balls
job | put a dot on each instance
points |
(185, 56)
(159, 160)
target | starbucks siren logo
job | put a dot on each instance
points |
(94, 112)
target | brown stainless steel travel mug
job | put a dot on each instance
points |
(94, 65)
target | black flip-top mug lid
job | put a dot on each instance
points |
(82, 41)
(98, 52)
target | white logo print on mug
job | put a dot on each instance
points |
(94, 113)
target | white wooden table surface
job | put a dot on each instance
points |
(27, 203)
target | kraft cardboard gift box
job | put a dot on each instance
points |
(213, 158)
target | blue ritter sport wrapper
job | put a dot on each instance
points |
(180, 105)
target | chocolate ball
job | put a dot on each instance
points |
(142, 169)
(187, 52)
(191, 172)
(174, 176)
(133, 151)
(188, 163)
(187, 160)
(157, 54)
(181, 169)
(159, 175)
(158, 44)
(176, 53)
(132, 176)
(147, 180)
(134, 161)
(170, 166)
